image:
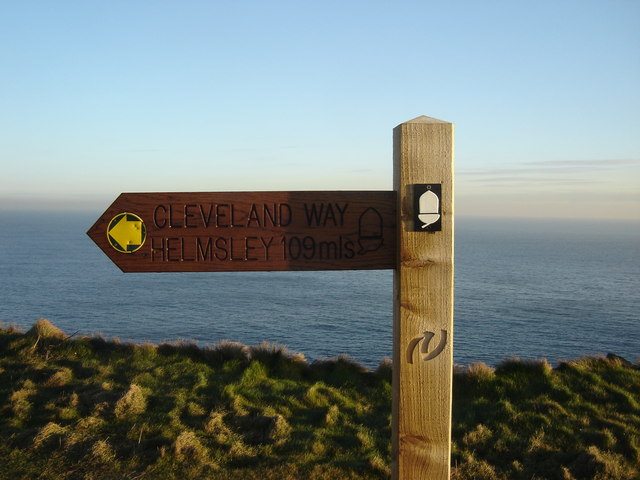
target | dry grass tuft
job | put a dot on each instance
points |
(59, 379)
(477, 470)
(19, 400)
(216, 427)
(102, 451)
(332, 416)
(267, 348)
(478, 436)
(378, 463)
(133, 402)
(279, 430)
(531, 366)
(43, 328)
(480, 371)
(226, 350)
(188, 447)
(84, 430)
(385, 369)
(49, 435)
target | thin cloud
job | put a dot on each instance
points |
(551, 167)
(586, 163)
(522, 179)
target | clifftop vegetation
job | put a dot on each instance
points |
(90, 408)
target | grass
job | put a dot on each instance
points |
(88, 408)
(526, 420)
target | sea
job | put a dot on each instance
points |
(528, 288)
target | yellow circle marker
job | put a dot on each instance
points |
(126, 232)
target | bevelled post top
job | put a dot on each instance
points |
(425, 119)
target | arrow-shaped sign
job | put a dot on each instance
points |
(249, 231)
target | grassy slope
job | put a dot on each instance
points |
(92, 409)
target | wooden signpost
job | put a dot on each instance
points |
(409, 229)
(423, 300)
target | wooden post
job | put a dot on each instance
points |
(423, 301)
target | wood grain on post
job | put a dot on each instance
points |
(423, 306)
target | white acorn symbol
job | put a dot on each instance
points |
(429, 207)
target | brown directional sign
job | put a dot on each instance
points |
(249, 231)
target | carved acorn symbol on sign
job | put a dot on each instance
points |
(370, 231)
(424, 349)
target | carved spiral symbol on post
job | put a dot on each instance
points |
(424, 349)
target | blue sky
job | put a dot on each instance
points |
(97, 98)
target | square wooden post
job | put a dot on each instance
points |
(423, 300)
